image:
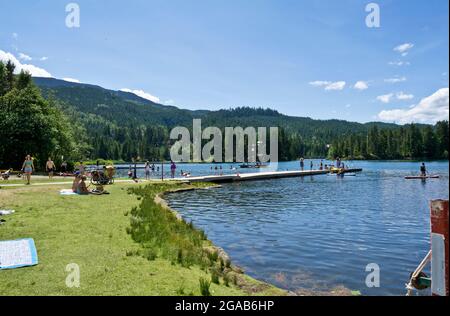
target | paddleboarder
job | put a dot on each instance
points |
(423, 170)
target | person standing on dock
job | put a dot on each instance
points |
(321, 165)
(423, 170)
(147, 170)
(302, 164)
(311, 165)
(173, 168)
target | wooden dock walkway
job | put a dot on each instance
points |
(254, 176)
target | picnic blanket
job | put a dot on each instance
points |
(17, 254)
(67, 192)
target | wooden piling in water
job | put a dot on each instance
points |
(439, 248)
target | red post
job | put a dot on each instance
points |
(439, 248)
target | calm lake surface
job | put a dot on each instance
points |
(320, 232)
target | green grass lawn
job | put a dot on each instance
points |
(91, 231)
(34, 180)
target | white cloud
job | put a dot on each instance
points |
(386, 98)
(361, 85)
(403, 96)
(403, 49)
(43, 58)
(25, 57)
(319, 83)
(430, 110)
(339, 85)
(142, 94)
(399, 63)
(33, 70)
(395, 80)
(329, 85)
(71, 80)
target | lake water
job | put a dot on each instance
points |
(320, 232)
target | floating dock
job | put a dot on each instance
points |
(254, 176)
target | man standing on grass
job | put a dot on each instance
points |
(50, 167)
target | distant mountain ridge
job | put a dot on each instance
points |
(89, 98)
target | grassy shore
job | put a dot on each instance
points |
(112, 238)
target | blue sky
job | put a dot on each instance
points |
(290, 55)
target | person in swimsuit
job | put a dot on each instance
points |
(82, 168)
(50, 167)
(423, 170)
(76, 182)
(147, 170)
(28, 168)
(64, 168)
(173, 168)
(82, 188)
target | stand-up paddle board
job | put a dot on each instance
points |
(421, 177)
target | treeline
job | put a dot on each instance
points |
(406, 142)
(30, 124)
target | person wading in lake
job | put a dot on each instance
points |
(28, 168)
(302, 164)
(423, 170)
(50, 167)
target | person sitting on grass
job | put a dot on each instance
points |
(76, 182)
(83, 188)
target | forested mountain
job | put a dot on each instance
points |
(120, 125)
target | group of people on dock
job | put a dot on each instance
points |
(322, 166)
(28, 168)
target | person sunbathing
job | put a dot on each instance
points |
(76, 183)
(82, 188)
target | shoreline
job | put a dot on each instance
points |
(336, 291)
(160, 199)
